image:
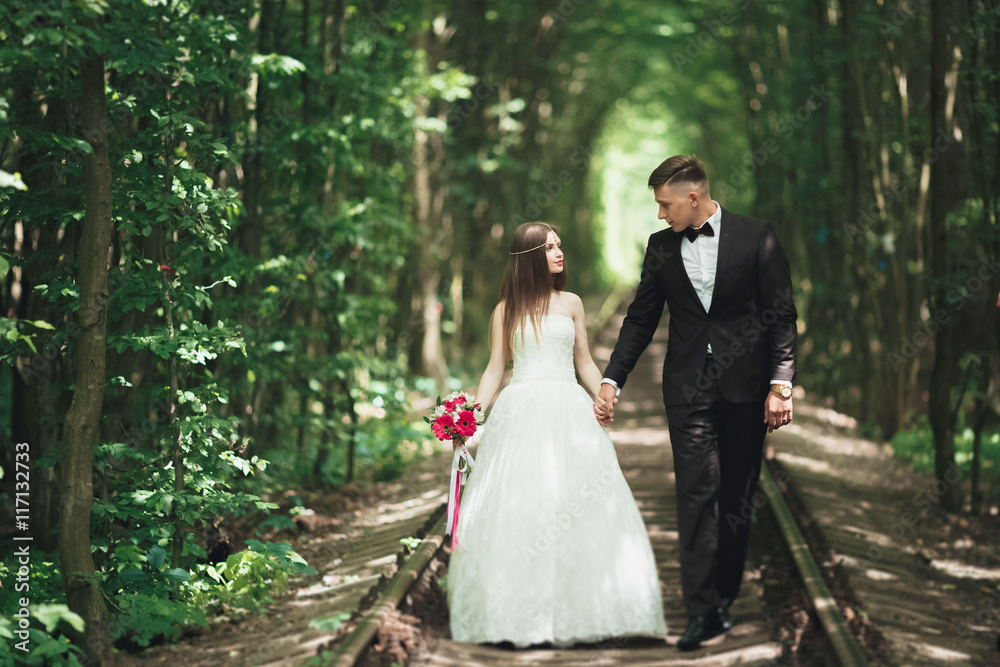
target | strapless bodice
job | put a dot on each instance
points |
(550, 357)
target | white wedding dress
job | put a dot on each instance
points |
(551, 545)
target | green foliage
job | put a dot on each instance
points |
(215, 343)
(48, 621)
(322, 658)
(45, 649)
(145, 589)
(278, 522)
(144, 617)
(247, 579)
(15, 332)
(389, 447)
(410, 543)
(152, 601)
(916, 447)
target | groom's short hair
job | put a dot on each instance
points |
(679, 169)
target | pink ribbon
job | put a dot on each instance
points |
(454, 490)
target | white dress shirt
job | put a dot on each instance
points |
(701, 257)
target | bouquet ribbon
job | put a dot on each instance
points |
(457, 475)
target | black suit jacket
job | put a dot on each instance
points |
(750, 323)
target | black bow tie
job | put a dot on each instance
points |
(693, 233)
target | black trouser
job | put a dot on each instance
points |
(717, 451)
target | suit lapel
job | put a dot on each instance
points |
(727, 234)
(682, 271)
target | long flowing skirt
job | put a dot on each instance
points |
(551, 545)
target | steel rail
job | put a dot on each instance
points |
(848, 651)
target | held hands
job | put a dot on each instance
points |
(777, 412)
(604, 404)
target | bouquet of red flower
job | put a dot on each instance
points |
(456, 419)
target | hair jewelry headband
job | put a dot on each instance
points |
(520, 252)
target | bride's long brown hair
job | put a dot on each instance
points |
(527, 283)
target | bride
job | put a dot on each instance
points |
(552, 548)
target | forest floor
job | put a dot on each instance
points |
(342, 523)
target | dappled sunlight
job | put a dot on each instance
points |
(880, 575)
(964, 571)
(937, 653)
(811, 464)
(411, 508)
(881, 526)
(331, 584)
(639, 436)
(826, 415)
(383, 560)
(830, 443)
(656, 533)
(629, 407)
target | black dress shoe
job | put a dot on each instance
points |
(701, 628)
(725, 618)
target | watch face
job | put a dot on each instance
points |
(786, 391)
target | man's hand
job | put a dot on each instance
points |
(604, 404)
(777, 411)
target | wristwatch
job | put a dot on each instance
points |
(782, 390)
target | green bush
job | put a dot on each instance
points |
(916, 447)
(247, 579)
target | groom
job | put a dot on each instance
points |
(726, 379)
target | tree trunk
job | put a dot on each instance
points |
(852, 185)
(249, 235)
(981, 66)
(981, 411)
(943, 375)
(83, 595)
(432, 362)
(176, 437)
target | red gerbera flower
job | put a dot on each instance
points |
(453, 403)
(466, 424)
(441, 427)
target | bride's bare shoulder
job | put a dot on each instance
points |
(569, 304)
(571, 298)
(496, 317)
